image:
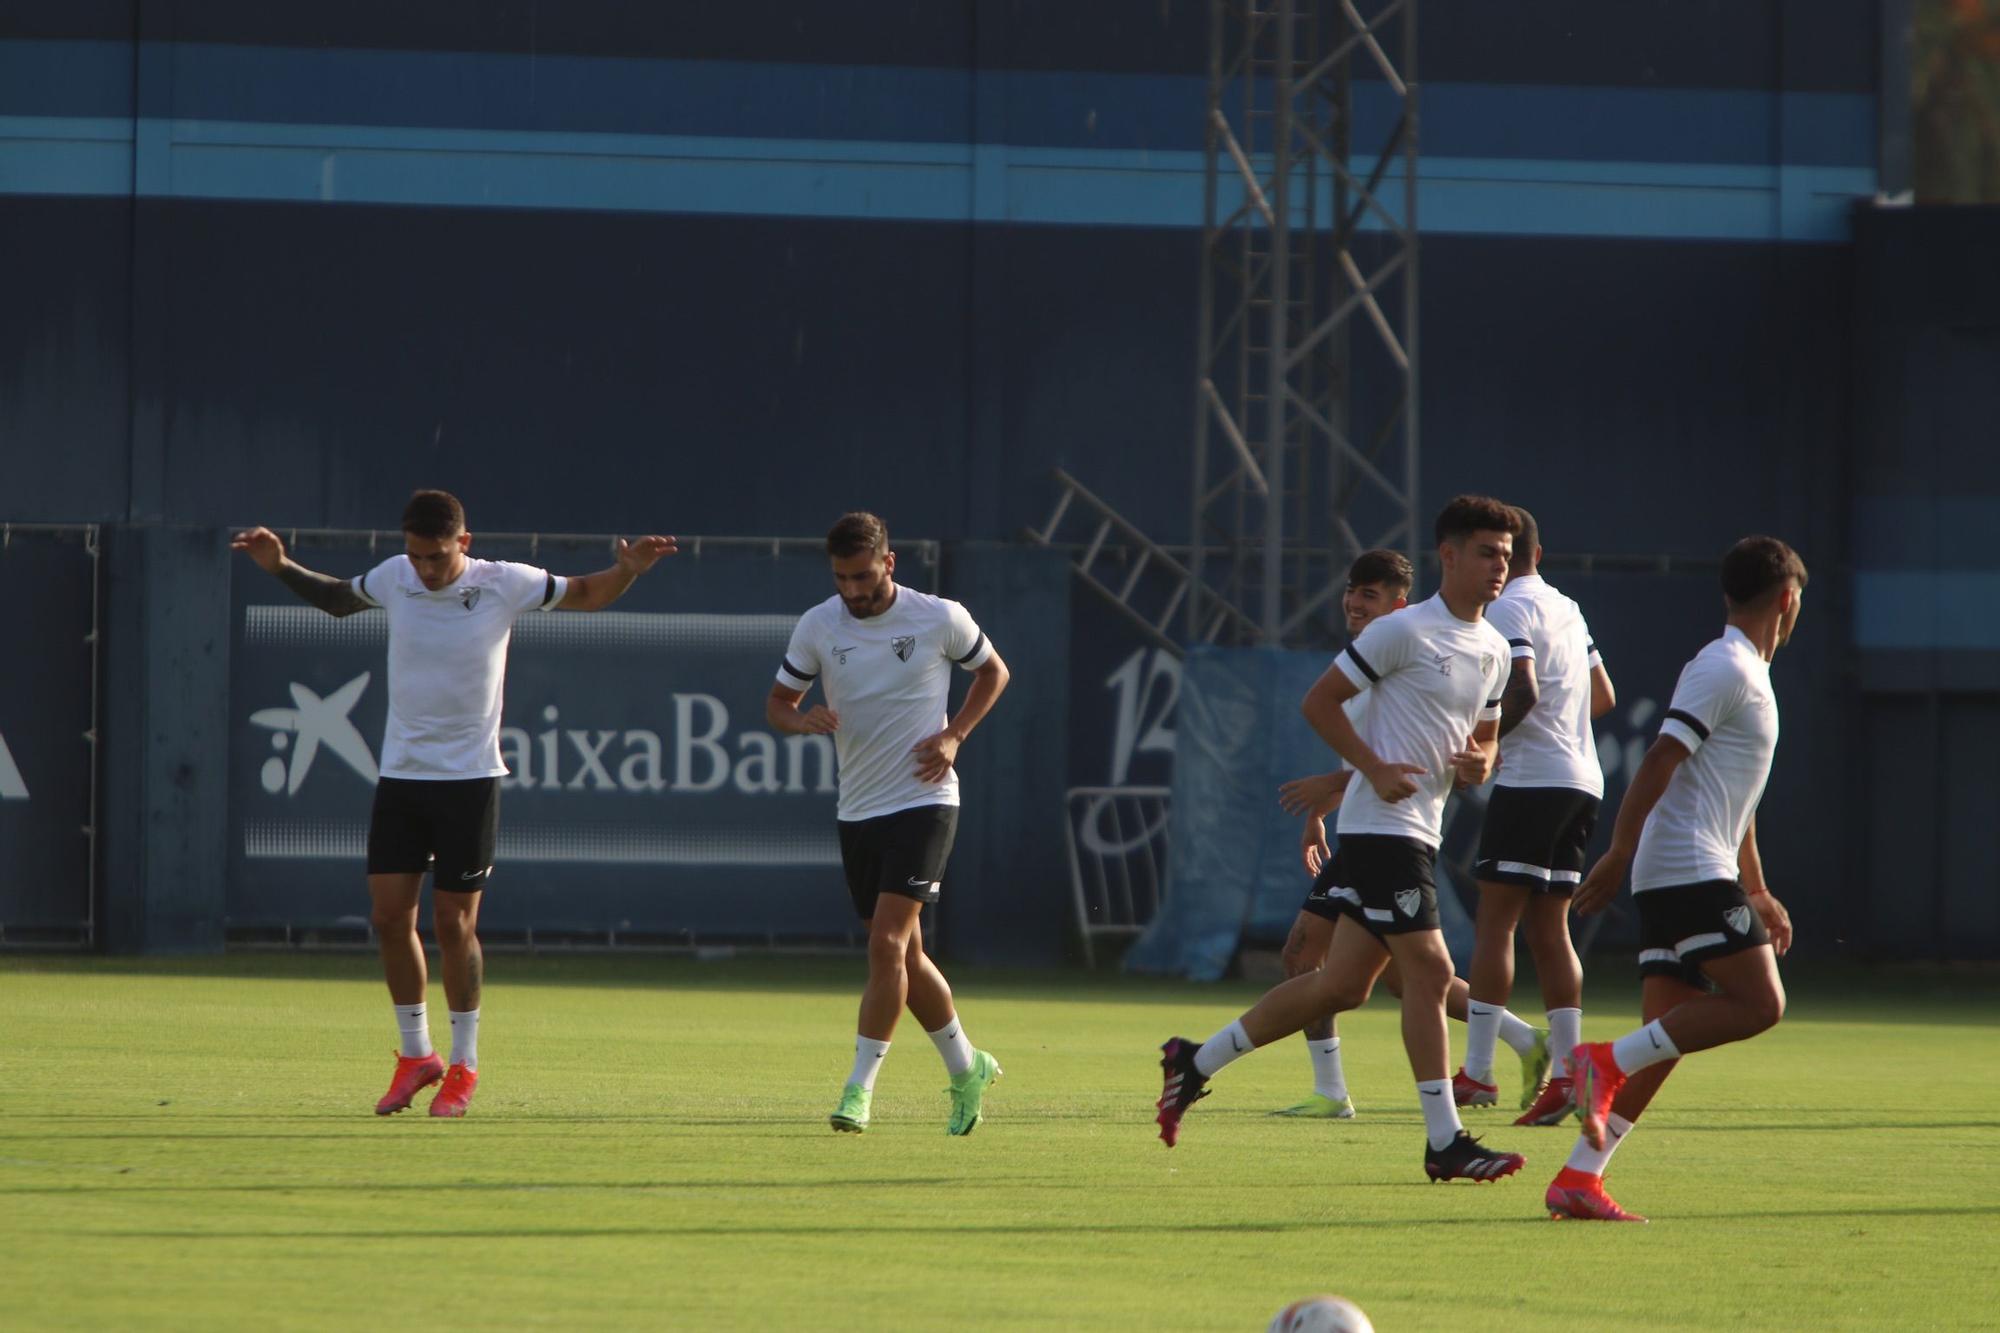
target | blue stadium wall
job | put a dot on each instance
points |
(731, 269)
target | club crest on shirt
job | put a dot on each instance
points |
(1408, 900)
(904, 644)
(1738, 919)
(468, 598)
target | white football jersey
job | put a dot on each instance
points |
(1726, 714)
(1433, 678)
(448, 662)
(1553, 746)
(888, 677)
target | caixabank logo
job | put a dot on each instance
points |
(312, 724)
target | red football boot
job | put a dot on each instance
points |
(452, 1098)
(1597, 1078)
(1581, 1195)
(1469, 1091)
(1553, 1105)
(414, 1073)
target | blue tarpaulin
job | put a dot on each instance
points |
(1234, 872)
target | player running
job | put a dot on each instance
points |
(884, 655)
(1435, 672)
(1710, 931)
(437, 802)
(1538, 825)
(1377, 583)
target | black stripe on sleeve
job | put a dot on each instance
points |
(1362, 662)
(806, 676)
(364, 588)
(1519, 643)
(549, 591)
(1492, 703)
(973, 652)
(1688, 720)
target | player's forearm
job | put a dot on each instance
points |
(1334, 797)
(783, 716)
(1516, 702)
(987, 686)
(594, 592)
(334, 596)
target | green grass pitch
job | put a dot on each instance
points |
(189, 1144)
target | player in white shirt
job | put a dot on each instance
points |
(437, 801)
(883, 655)
(1377, 583)
(1539, 819)
(1710, 931)
(1434, 671)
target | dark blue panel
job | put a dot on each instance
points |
(564, 372)
(47, 581)
(65, 268)
(1826, 44)
(62, 77)
(879, 32)
(1157, 112)
(98, 20)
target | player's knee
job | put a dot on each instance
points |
(392, 920)
(1767, 1008)
(1338, 993)
(454, 930)
(1425, 978)
(888, 953)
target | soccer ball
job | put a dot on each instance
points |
(1321, 1314)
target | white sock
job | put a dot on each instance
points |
(1220, 1049)
(1648, 1046)
(465, 1038)
(868, 1055)
(1519, 1036)
(1583, 1157)
(1482, 1029)
(415, 1030)
(1565, 1031)
(1328, 1080)
(1440, 1112)
(952, 1045)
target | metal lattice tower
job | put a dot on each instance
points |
(1288, 484)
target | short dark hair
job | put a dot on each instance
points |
(1464, 515)
(858, 533)
(1756, 567)
(1387, 568)
(434, 515)
(1525, 540)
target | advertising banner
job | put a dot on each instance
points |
(645, 800)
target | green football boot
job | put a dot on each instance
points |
(851, 1116)
(968, 1093)
(1319, 1106)
(1534, 1068)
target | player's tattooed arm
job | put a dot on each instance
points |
(1520, 695)
(334, 596)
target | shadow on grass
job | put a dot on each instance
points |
(1819, 992)
(932, 1229)
(527, 1186)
